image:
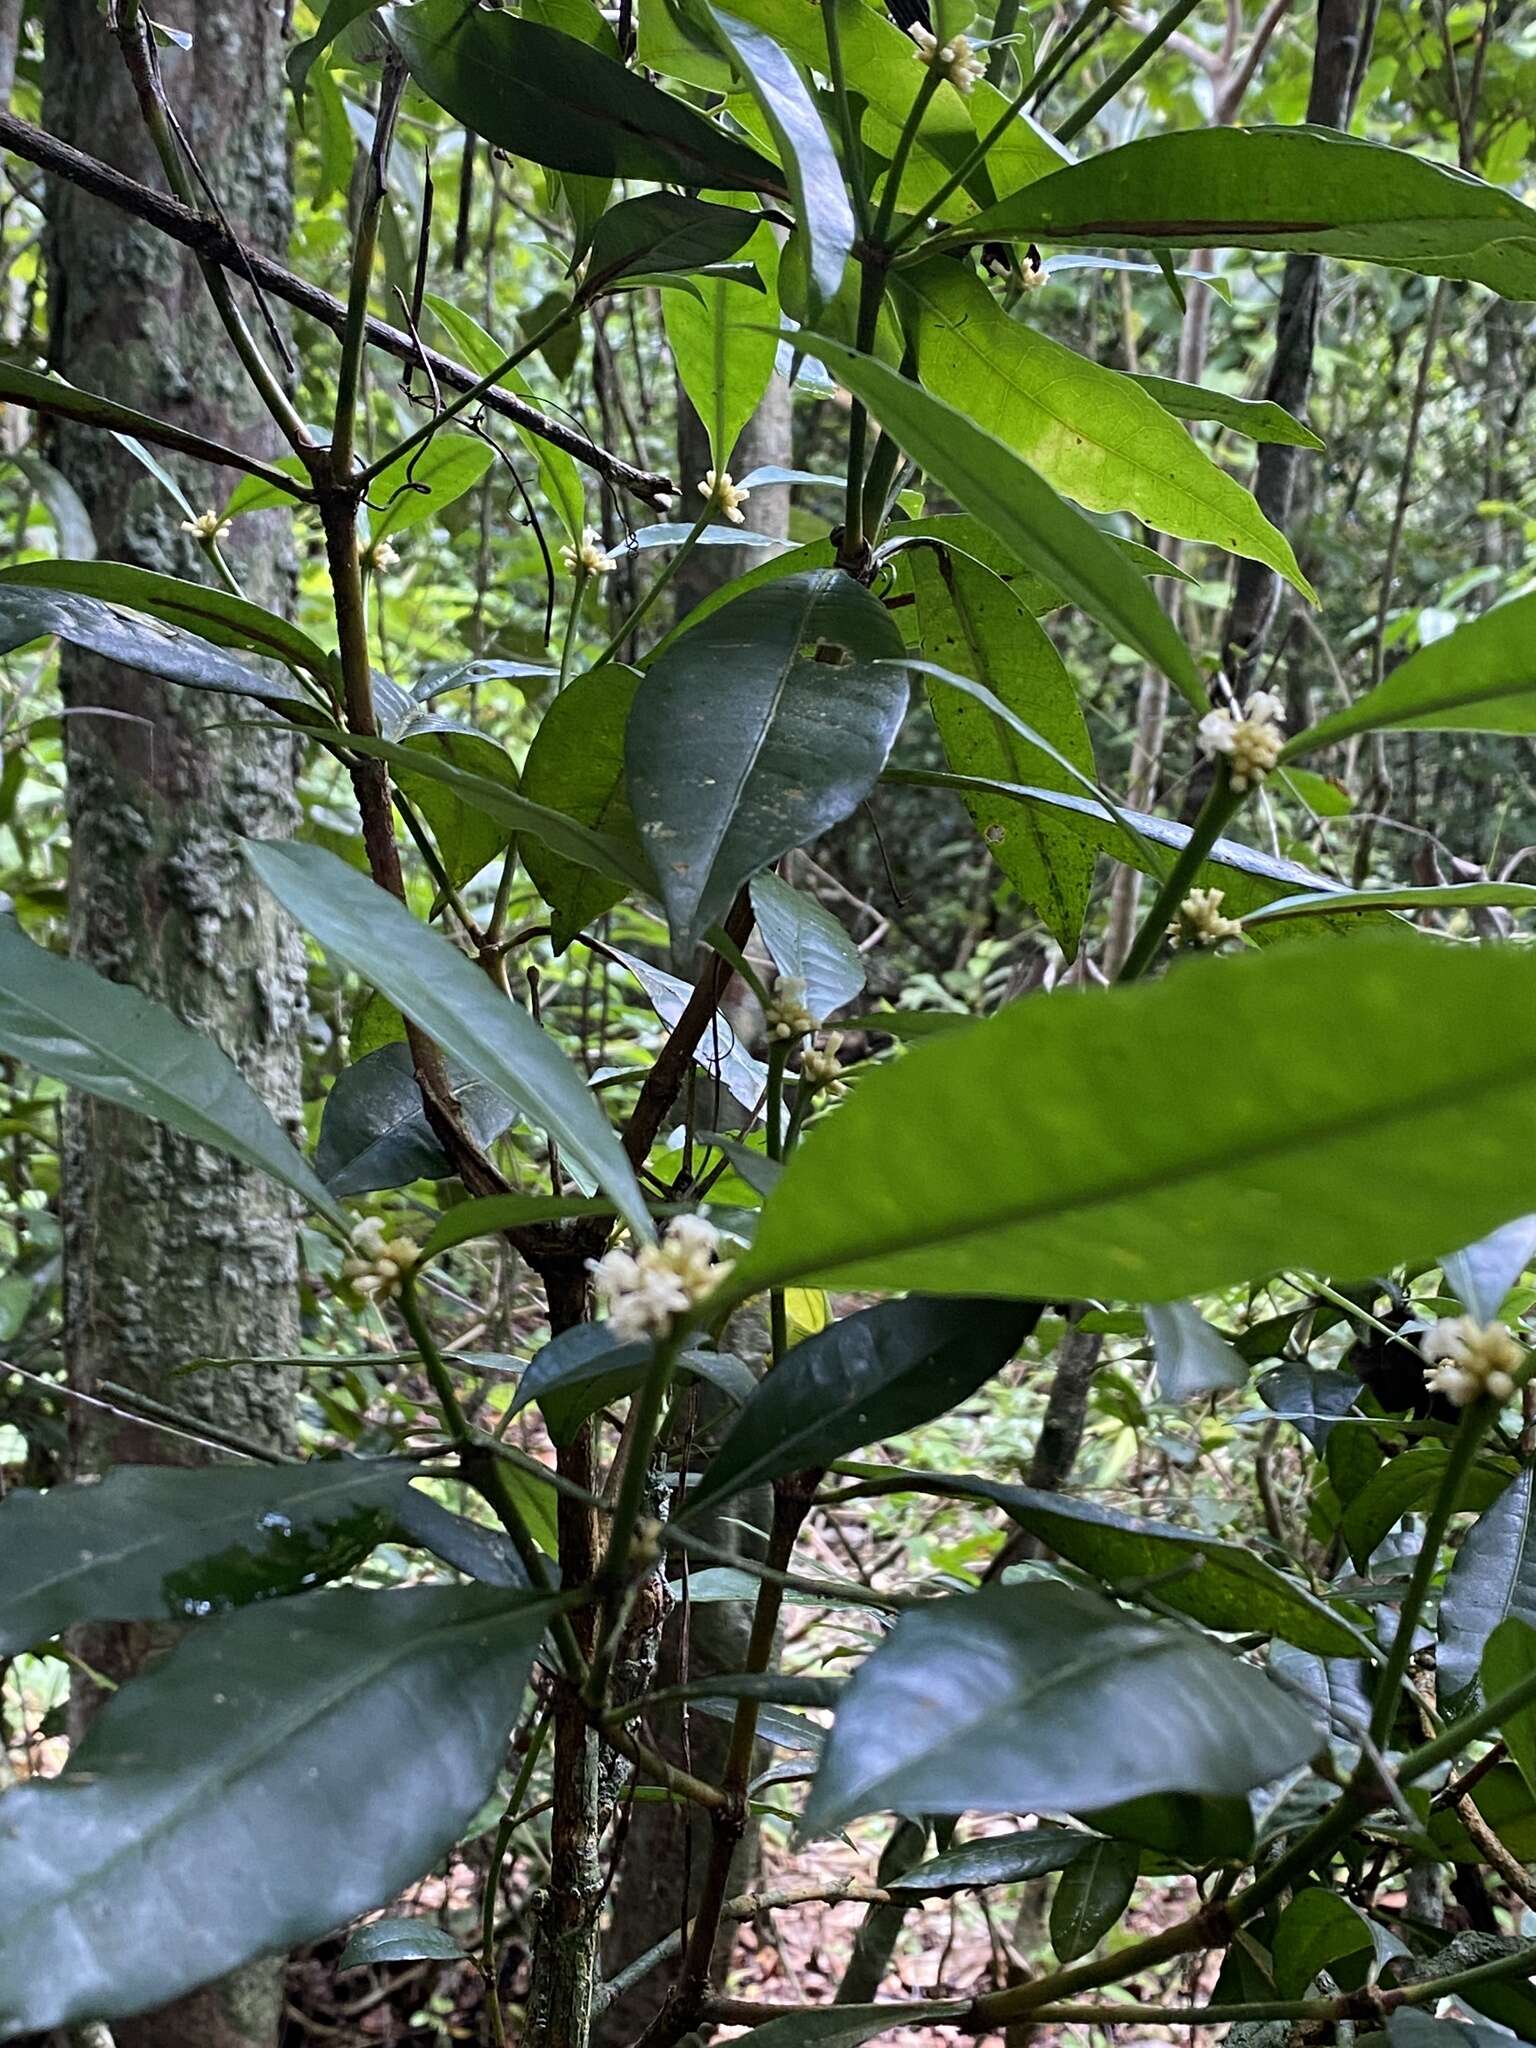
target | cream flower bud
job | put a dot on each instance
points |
(726, 496)
(820, 1068)
(207, 526)
(1469, 1360)
(379, 557)
(954, 60)
(1200, 922)
(589, 559)
(645, 1292)
(786, 1016)
(1250, 743)
(377, 1264)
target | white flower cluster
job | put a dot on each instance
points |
(820, 1068)
(379, 556)
(205, 527)
(1251, 743)
(589, 559)
(724, 495)
(1200, 922)
(644, 1292)
(786, 1015)
(1469, 1360)
(377, 1263)
(954, 59)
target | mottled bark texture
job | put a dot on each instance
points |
(174, 1252)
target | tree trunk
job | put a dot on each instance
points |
(174, 1252)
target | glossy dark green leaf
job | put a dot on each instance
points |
(192, 608)
(107, 1040)
(420, 971)
(659, 232)
(1312, 1400)
(1194, 1361)
(153, 1542)
(1404, 1485)
(1509, 1659)
(723, 347)
(137, 642)
(807, 943)
(1231, 1589)
(1446, 897)
(970, 621)
(302, 58)
(997, 487)
(374, 1132)
(585, 1368)
(755, 731)
(719, 1051)
(399, 1941)
(1090, 431)
(805, 148)
(1280, 188)
(1094, 1890)
(870, 1376)
(1480, 1275)
(554, 100)
(576, 766)
(469, 1546)
(1257, 419)
(1493, 1577)
(995, 1859)
(1041, 1697)
(467, 838)
(1183, 1828)
(1317, 1929)
(1345, 1145)
(342, 1739)
(1337, 1686)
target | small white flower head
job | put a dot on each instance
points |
(1034, 274)
(1200, 922)
(1469, 1360)
(377, 1263)
(786, 1016)
(378, 557)
(206, 527)
(820, 1069)
(727, 497)
(954, 60)
(589, 559)
(645, 1292)
(1251, 743)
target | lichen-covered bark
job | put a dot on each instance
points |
(174, 1252)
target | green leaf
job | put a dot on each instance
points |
(991, 482)
(465, 836)
(995, 1859)
(1039, 1698)
(719, 1051)
(153, 1542)
(556, 101)
(256, 494)
(244, 1750)
(1346, 1145)
(972, 622)
(399, 1941)
(807, 943)
(1446, 896)
(1481, 678)
(1193, 1360)
(107, 1040)
(746, 739)
(138, 643)
(805, 149)
(483, 353)
(216, 615)
(1411, 2028)
(1258, 419)
(723, 347)
(374, 1132)
(1316, 1930)
(1481, 1275)
(1094, 1890)
(1493, 1576)
(1509, 1658)
(494, 1040)
(585, 1368)
(1280, 188)
(848, 2026)
(576, 766)
(873, 1375)
(1224, 1585)
(424, 483)
(302, 58)
(1089, 431)
(1402, 1486)
(489, 1215)
(661, 232)
(1312, 1400)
